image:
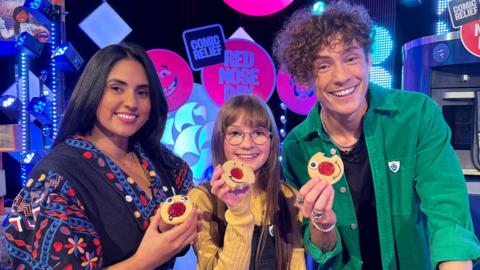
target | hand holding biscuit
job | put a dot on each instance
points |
(157, 247)
(231, 182)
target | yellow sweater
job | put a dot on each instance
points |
(236, 250)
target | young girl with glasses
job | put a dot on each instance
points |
(257, 227)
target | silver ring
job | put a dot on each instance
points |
(316, 214)
(299, 200)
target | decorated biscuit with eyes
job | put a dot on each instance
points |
(324, 168)
(176, 209)
(237, 175)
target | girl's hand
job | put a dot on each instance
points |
(230, 197)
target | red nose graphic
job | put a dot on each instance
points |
(237, 173)
(175, 210)
(326, 168)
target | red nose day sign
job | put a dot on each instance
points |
(470, 36)
(298, 99)
(175, 76)
(247, 69)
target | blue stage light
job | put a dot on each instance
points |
(30, 45)
(381, 77)
(31, 158)
(67, 58)
(382, 45)
(7, 101)
(411, 3)
(442, 26)
(42, 10)
(10, 106)
(318, 8)
(40, 107)
(442, 6)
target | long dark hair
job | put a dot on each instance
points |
(80, 114)
(16, 24)
(255, 113)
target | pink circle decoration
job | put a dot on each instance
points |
(247, 69)
(258, 7)
(297, 98)
(175, 76)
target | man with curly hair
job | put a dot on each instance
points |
(402, 201)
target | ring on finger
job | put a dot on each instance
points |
(316, 214)
(299, 200)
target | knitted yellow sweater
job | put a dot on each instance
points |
(236, 250)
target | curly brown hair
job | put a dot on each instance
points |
(296, 45)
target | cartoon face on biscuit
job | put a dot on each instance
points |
(175, 209)
(324, 168)
(237, 174)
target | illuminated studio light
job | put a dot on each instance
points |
(441, 28)
(318, 8)
(40, 108)
(29, 45)
(67, 58)
(382, 45)
(42, 10)
(442, 5)
(381, 77)
(31, 158)
(411, 3)
(7, 101)
(10, 106)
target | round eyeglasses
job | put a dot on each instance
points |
(258, 136)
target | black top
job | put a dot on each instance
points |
(359, 177)
(267, 260)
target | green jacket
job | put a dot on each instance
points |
(422, 208)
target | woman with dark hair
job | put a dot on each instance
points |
(92, 201)
(257, 227)
(21, 23)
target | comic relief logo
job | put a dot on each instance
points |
(247, 69)
(175, 76)
(298, 99)
(205, 46)
(258, 7)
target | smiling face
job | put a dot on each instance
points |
(250, 153)
(341, 78)
(125, 104)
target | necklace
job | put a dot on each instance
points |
(343, 147)
(130, 164)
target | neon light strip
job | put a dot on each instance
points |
(24, 119)
(53, 72)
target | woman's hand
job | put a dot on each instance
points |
(230, 197)
(157, 247)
